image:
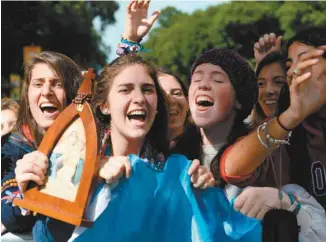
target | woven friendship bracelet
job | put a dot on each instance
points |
(296, 205)
(127, 46)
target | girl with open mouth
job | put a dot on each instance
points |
(146, 193)
(51, 83)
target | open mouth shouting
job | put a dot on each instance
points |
(203, 103)
(137, 117)
(49, 110)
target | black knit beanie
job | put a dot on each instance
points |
(240, 73)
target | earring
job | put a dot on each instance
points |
(156, 112)
(105, 111)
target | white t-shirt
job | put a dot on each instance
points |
(209, 152)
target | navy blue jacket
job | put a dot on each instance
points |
(43, 227)
(14, 149)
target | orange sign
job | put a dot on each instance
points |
(29, 51)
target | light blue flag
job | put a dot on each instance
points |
(163, 206)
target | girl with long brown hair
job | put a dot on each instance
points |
(51, 83)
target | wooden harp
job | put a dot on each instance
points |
(72, 145)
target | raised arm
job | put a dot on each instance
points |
(138, 23)
(307, 95)
(265, 45)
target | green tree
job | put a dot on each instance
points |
(168, 16)
(237, 25)
(64, 26)
(293, 16)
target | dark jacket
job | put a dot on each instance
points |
(14, 149)
(43, 227)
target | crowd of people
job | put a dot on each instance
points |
(238, 155)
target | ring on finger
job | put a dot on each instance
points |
(296, 72)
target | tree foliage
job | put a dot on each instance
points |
(62, 26)
(237, 25)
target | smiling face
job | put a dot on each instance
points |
(178, 104)
(270, 81)
(132, 102)
(211, 96)
(46, 95)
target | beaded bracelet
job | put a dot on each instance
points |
(14, 195)
(270, 139)
(9, 183)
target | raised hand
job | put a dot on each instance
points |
(137, 22)
(265, 45)
(307, 81)
(114, 167)
(32, 167)
(200, 176)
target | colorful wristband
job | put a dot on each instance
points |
(296, 205)
(126, 46)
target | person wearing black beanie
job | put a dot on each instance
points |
(239, 72)
(222, 93)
